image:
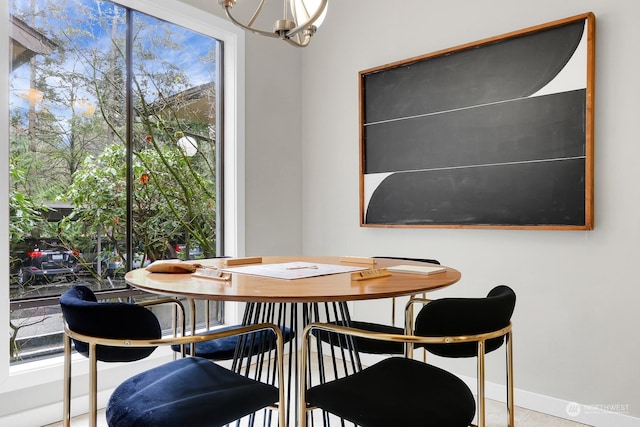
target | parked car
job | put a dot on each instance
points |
(108, 264)
(45, 260)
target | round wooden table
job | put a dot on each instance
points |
(329, 288)
(291, 304)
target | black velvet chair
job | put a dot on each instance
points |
(396, 391)
(404, 391)
(188, 391)
(469, 316)
(370, 346)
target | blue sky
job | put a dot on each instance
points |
(92, 22)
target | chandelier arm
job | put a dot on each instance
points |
(253, 30)
(310, 22)
(256, 13)
(297, 43)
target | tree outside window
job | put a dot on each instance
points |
(113, 128)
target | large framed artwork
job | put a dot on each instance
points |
(492, 134)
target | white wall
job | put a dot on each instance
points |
(274, 106)
(273, 167)
(576, 318)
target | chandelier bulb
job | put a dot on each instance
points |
(307, 17)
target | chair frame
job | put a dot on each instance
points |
(480, 375)
(93, 342)
(399, 259)
(411, 339)
(93, 371)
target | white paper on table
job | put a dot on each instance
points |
(293, 270)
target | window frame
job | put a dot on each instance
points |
(230, 131)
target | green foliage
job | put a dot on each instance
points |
(167, 200)
(25, 214)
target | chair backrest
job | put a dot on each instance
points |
(84, 314)
(466, 316)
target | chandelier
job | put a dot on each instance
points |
(300, 19)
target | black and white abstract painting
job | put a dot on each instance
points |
(497, 133)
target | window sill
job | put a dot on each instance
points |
(36, 373)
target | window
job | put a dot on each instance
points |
(115, 162)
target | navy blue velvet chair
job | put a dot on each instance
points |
(234, 346)
(195, 394)
(85, 315)
(404, 391)
(190, 391)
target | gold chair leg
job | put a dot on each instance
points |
(66, 400)
(408, 329)
(481, 407)
(302, 411)
(93, 386)
(393, 311)
(192, 306)
(510, 393)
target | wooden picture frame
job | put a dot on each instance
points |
(496, 133)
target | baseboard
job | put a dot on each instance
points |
(50, 414)
(591, 415)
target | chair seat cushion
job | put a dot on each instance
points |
(398, 392)
(186, 392)
(225, 348)
(365, 345)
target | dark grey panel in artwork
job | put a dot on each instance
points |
(537, 128)
(511, 68)
(539, 193)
